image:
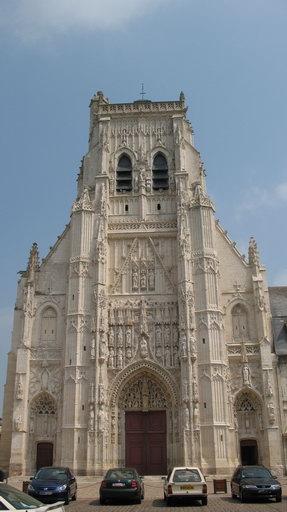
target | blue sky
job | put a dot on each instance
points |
(228, 56)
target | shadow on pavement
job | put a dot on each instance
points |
(179, 503)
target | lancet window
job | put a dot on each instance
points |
(159, 172)
(239, 322)
(124, 174)
(49, 325)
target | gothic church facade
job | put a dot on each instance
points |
(144, 337)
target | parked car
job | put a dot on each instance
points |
(254, 482)
(183, 482)
(53, 484)
(122, 484)
(12, 499)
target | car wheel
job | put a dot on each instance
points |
(74, 497)
(204, 500)
(278, 498)
(138, 501)
(67, 498)
(168, 501)
(233, 496)
(102, 501)
(242, 497)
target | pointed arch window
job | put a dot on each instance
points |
(239, 322)
(124, 174)
(160, 173)
(49, 325)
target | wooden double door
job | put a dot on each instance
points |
(145, 441)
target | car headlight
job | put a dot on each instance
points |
(62, 487)
(276, 486)
(246, 486)
(30, 488)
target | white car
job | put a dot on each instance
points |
(183, 482)
(12, 499)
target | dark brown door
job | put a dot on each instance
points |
(44, 455)
(249, 452)
(146, 441)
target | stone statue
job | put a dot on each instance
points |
(120, 337)
(111, 358)
(186, 418)
(111, 338)
(246, 375)
(183, 346)
(128, 337)
(120, 358)
(143, 347)
(93, 348)
(20, 391)
(271, 413)
(135, 279)
(196, 415)
(101, 420)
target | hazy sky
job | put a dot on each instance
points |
(228, 56)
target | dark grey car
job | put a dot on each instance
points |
(250, 482)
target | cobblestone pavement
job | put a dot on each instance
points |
(153, 502)
(88, 494)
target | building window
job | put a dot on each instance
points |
(239, 322)
(159, 172)
(124, 174)
(49, 325)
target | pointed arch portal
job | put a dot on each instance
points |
(145, 400)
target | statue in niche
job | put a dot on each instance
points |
(143, 279)
(128, 353)
(148, 184)
(195, 389)
(196, 415)
(186, 418)
(158, 352)
(151, 279)
(19, 391)
(185, 390)
(183, 346)
(120, 337)
(111, 338)
(175, 355)
(158, 335)
(135, 279)
(143, 346)
(120, 358)
(93, 348)
(91, 418)
(18, 423)
(111, 357)
(246, 375)
(167, 356)
(271, 413)
(128, 337)
(268, 386)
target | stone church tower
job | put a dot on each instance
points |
(144, 337)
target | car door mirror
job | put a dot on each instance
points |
(273, 474)
(31, 478)
(163, 477)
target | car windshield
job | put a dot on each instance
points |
(51, 474)
(118, 474)
(186, 475)
(256, 473)
(19, 500)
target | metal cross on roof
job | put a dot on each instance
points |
(142, 93)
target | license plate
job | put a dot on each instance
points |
(118, 484)
(186, 487)
(46, 492)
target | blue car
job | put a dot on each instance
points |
(53, 484)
